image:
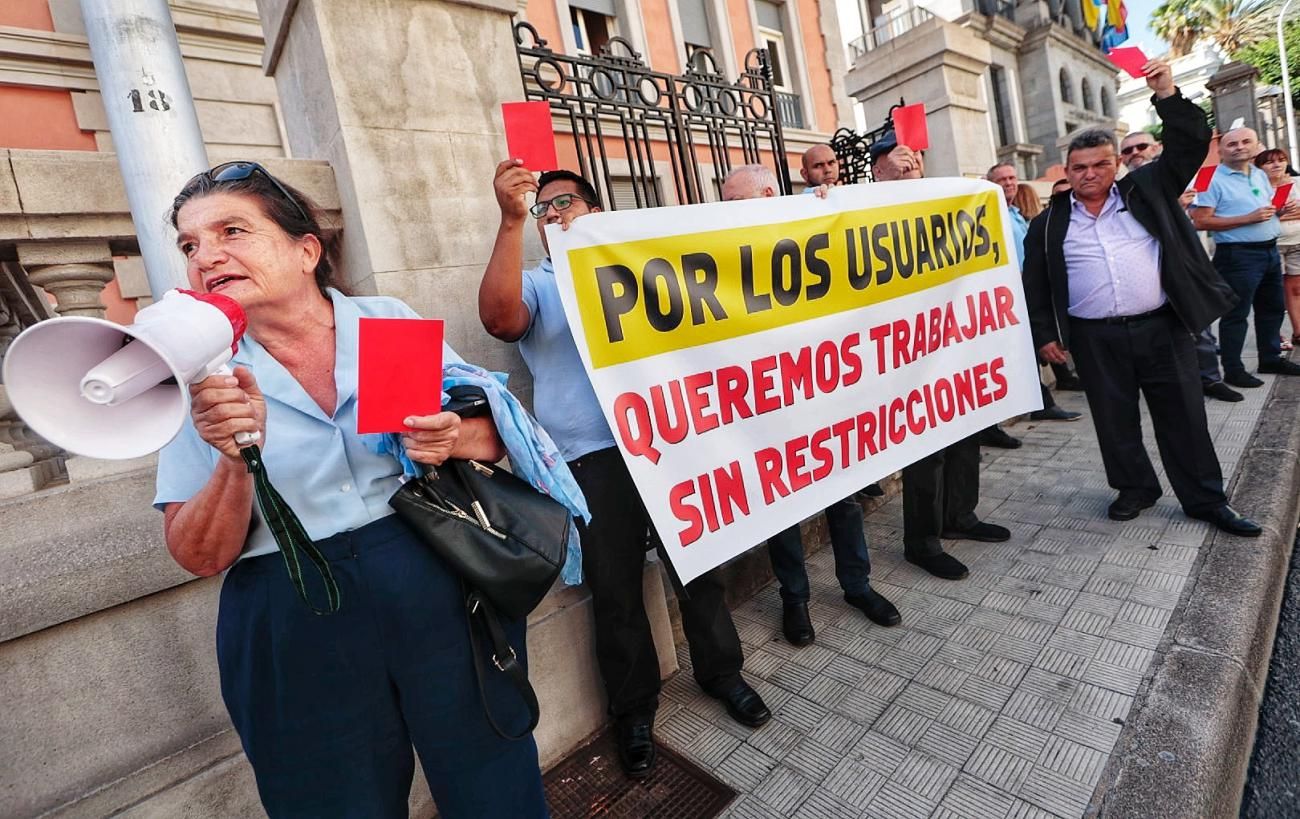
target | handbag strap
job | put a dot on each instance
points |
(288, 533)
(503, 658)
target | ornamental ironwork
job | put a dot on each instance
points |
(852, 149)
(666, 128)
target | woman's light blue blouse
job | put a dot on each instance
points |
(318, 462)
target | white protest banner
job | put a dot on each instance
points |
(759, 360)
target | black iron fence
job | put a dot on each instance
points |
(852, 149)
(632, 127)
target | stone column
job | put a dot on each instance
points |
(409, 117)
(1233, 90)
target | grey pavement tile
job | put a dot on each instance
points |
(773, 695)
(1124, 655)
(922, 645)
(801, 713)
(835, 638)
(1100, 702)
(866, 650)
(879, 753)
(784, 789)
(1126, 557)
(825, 691)
(994, 621)
(1143, 615)
(998, 767)
(822, 805)
(883, 684)
(1135, 634)
(941, 676)
(969, 798)
(1087, 622)
(792, 677)
(903, 725)
(854, 782)
(745, 767)
(959, 656)
(935, 626)
(845, 670)
(903, 662)
(967, 717)
(1037, 711)
(861, 707)
(1095, 732)
(924, 775)
(1055, 792)
(1038, 610)
(1108, 588)
(974, 637)
(948, 745)
(895, 802)
(1124, 680)
(763, 663)
(923, 700)
(814, 657)
(1058, 661)
(985, 692)
(1057, 595)
(1096, 604)
(812, 760)
(1029, 571)
(681, 729)
(1029, 629)
(1022, 650)
(1162, 598)
(1021, 809)
(1004, 603)
(1016, 737)
(1071, 759)
(837, 732)
(711, 746)
(775, 739)
(748, 807)
(1050, 686)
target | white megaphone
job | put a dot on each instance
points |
(96, 388)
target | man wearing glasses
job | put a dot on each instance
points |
(525, 307)
(1138, 148)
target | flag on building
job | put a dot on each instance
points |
(1109, 18)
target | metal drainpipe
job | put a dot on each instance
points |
(152, 119)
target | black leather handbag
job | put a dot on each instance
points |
(505, 540)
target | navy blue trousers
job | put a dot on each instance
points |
(848, 542)
(1255, 275)
(328, 707)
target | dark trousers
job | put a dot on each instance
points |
(327, 707)
(613, 560)
(1154, 356)
(940, 493)
(1207, 357)
(848, 542)
(1255, 274)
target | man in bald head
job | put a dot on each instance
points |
(820, 167)
(1238, 211)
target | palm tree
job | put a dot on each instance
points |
(1232, 24)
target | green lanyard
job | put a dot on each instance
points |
(288, 533)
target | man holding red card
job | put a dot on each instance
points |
(1115, 272)
(524, 306)
(1238, 211)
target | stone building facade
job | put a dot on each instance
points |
(1001, 80)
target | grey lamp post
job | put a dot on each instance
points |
(1286, 86)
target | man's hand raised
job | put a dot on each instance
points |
(1160, 78)
(512, 185)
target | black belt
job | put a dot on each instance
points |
(1162, 310)
(1271, 243)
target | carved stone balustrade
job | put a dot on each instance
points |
(74, 273)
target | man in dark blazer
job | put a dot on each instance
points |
(1115, 273)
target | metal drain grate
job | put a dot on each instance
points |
(590, 783)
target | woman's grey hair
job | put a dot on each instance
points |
(1091, 138)
(760, 176)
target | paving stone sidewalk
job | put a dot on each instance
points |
(1000, 696)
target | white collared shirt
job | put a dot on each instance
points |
(1112, 262)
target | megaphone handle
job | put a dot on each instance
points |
(242, 439)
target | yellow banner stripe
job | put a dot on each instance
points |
(650, 296)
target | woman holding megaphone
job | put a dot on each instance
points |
(327, 707)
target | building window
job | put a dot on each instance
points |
(1107, 104)
(1087, 95)
(1067, 93)
(697, 27)
(593, 24)
(1001, 104)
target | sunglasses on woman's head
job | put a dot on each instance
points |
(561, 203)
(236, 171)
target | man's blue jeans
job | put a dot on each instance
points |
(1254, 272)
(848, 541)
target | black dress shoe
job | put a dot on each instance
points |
(941, 565)
(873, 604)
(796, 624)
(1072, 384)
(1229, 520)
(1242, 379)
(873, 490)
(1279, 366)
(1221, 391)
(981, 531)
(745, 705)
(636, 745)
(1054, 413)
(1128, 506)
(997, 437)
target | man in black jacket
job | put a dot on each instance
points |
(1114, 271)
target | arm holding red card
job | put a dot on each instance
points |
(500, 295)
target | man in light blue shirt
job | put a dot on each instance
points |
(1238, 211)
(525, 307)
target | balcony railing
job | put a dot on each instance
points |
(791, 108)
(895, 25)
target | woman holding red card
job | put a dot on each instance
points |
(1275, 163)
(327, 707)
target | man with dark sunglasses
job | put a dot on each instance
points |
(1139, 148)
(525, 307)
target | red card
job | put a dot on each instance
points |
(399, 372)
(1280, 196)
(909, 126)
(1203, 178)
(1130, 59)
(530, 136)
